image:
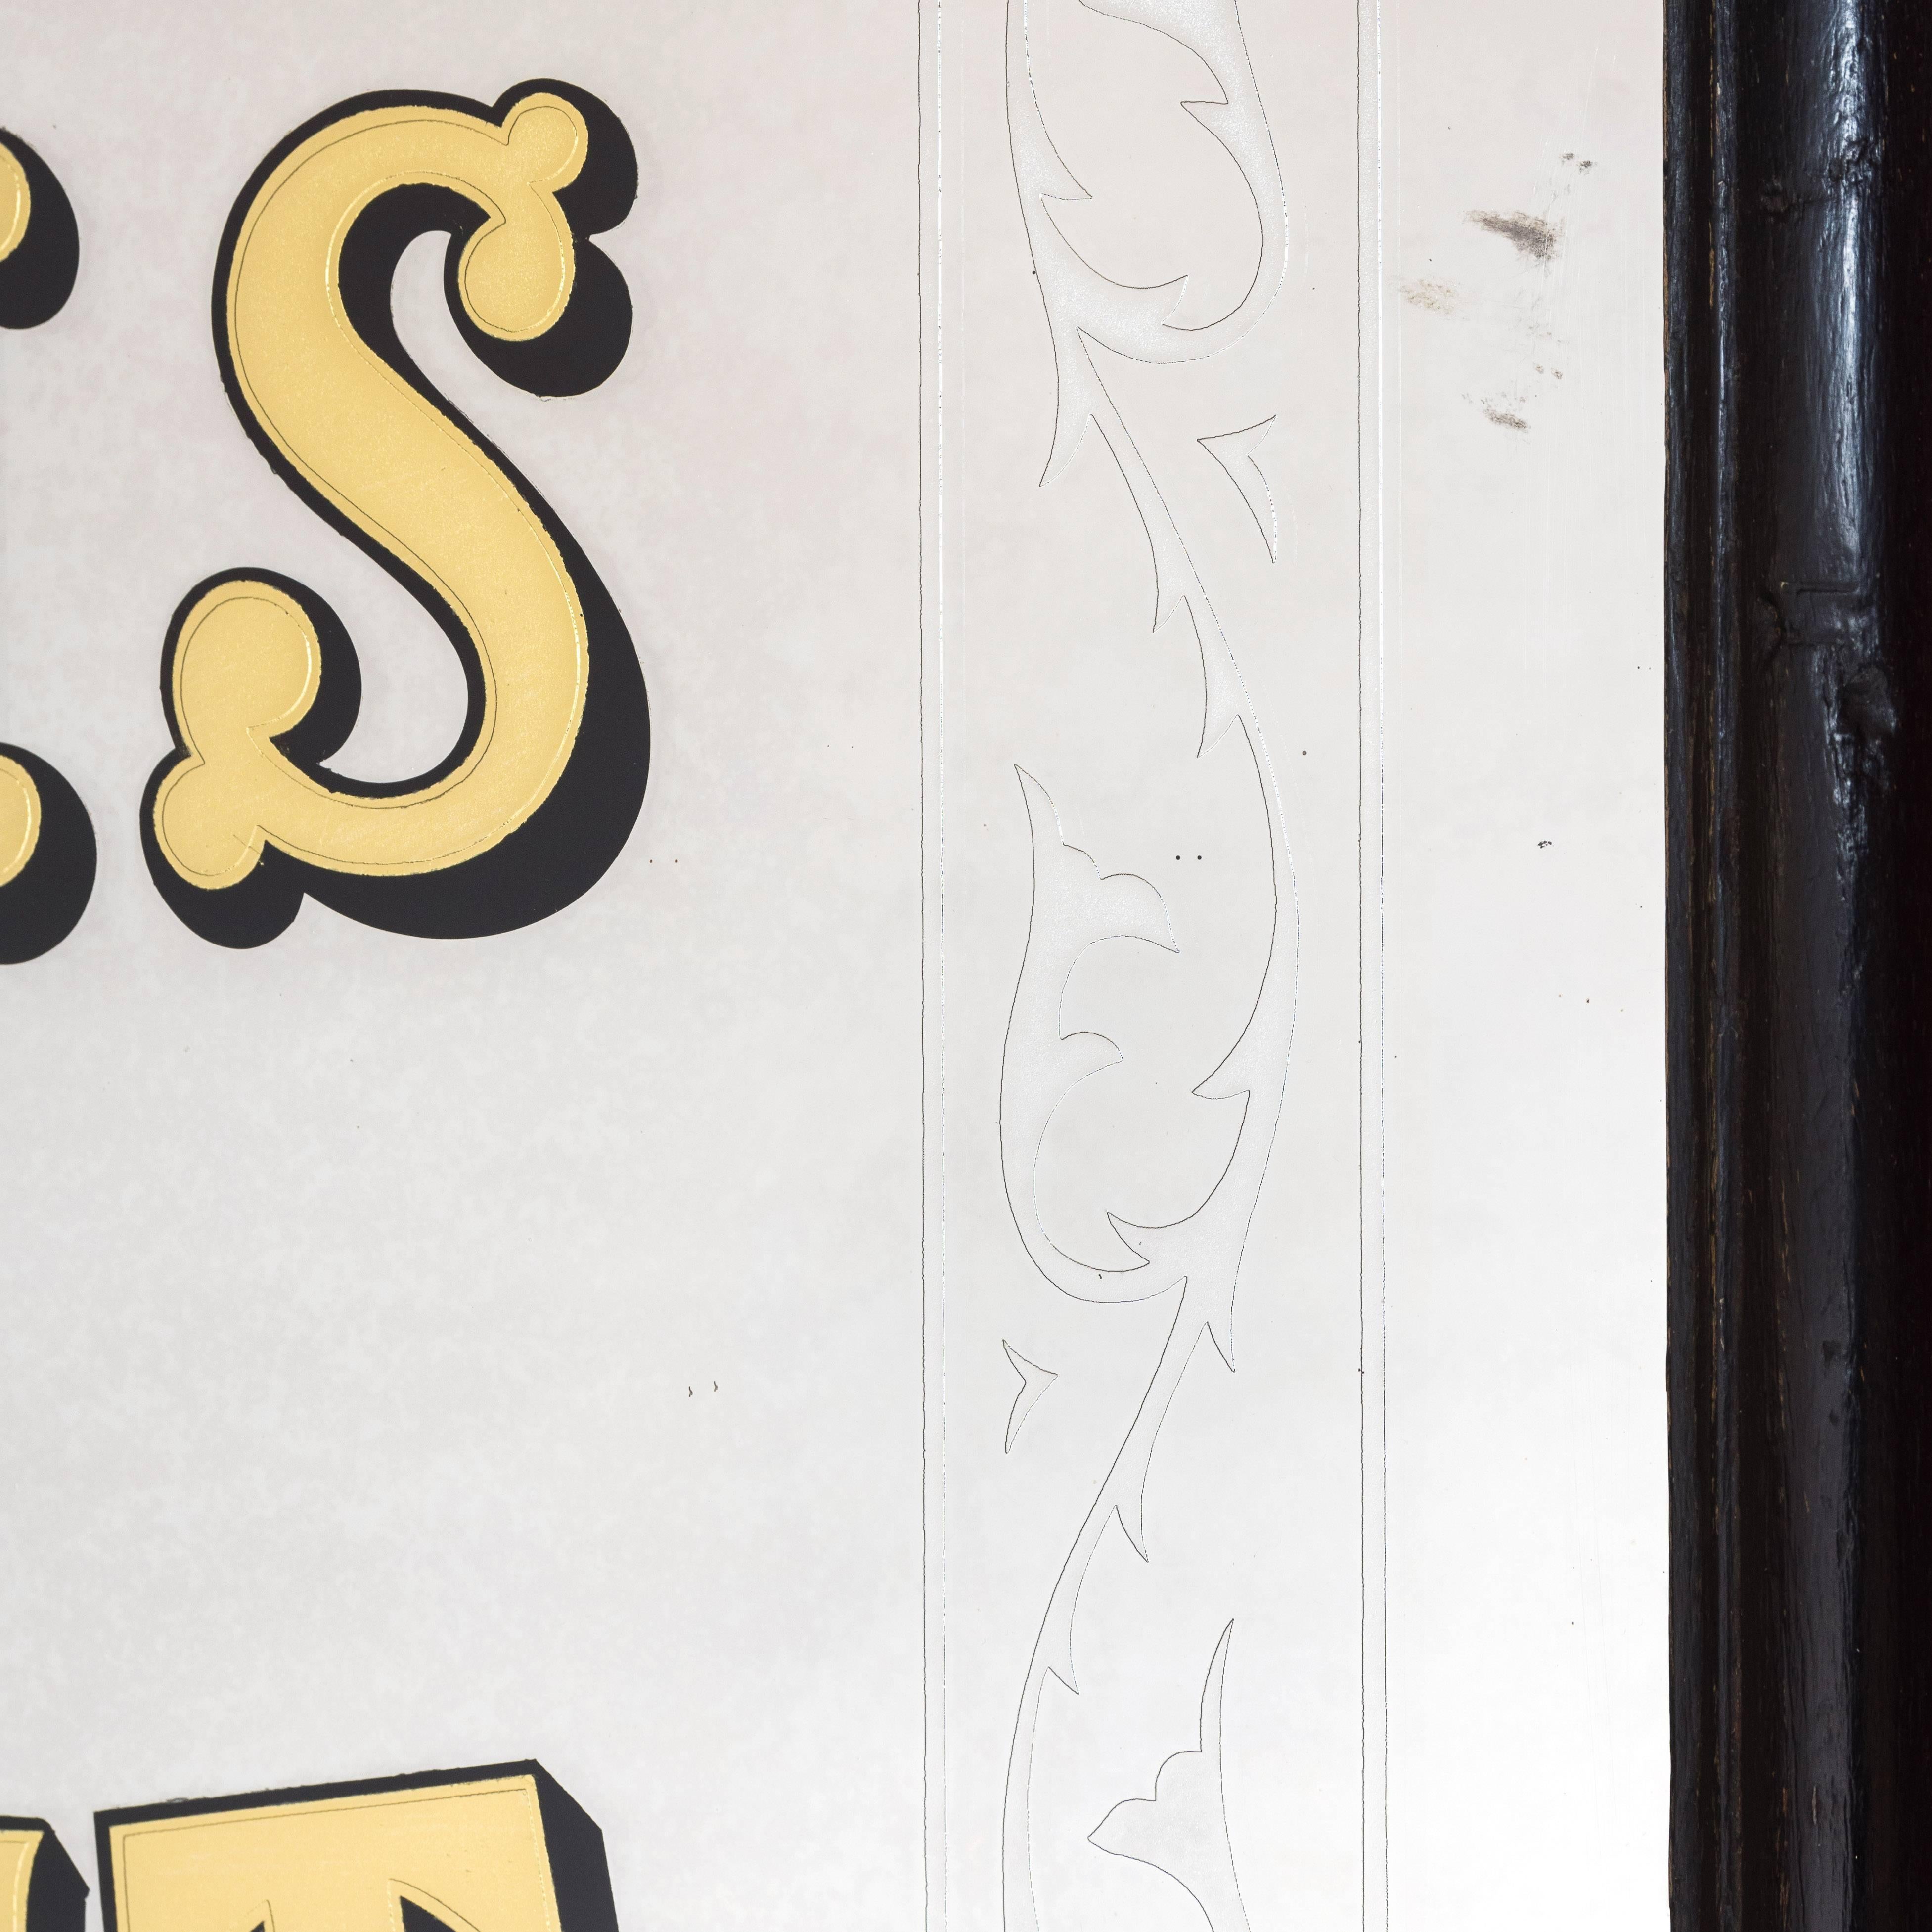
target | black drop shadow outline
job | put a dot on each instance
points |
(56, 1892)
(42, 902)
(38, 278)
(573, 837)
(579, 1871)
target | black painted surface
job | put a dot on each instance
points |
(1800, 694)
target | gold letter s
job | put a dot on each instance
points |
(259, 681)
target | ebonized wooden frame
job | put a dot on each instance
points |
(1799, 232)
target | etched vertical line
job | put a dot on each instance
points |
(1372, 473)
(932, 743)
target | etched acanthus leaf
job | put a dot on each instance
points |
(1034, 1383)
(1182, 1830)
(1075, 907)
(1238, 452)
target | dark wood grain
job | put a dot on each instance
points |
(1799, 211)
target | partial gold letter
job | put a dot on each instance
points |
(502, 1849)
(38, 1884)
(46, 840)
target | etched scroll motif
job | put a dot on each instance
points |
(1196, 1259)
